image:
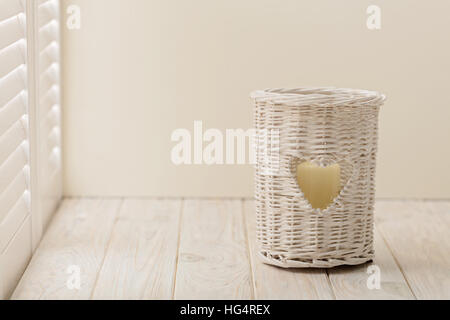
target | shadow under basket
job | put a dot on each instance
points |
(327, 129)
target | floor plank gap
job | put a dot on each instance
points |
(178, 249)
(251, 262)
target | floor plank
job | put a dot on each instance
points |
(14, 260)
(420, 242)
(213, 261)
(133, 250)
(440, 210)
(272, 283)
(350, 282)
(141, 258)
(77, 237)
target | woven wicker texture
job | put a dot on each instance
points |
(324, 126)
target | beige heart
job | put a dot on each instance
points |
(322, 185)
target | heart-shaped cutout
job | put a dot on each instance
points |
(322, 184)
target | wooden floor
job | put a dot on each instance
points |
(205, 249)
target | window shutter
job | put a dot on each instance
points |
(15, 225)
(30, 130)
(49, 109)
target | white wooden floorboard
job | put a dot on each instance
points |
(420, 242)
(440, 210)
(141, 257)
(272, 283)
(205, 249)
(75, 241)
(14, 260)
(351, 282)
(213, 260)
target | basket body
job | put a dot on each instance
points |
(323, 126)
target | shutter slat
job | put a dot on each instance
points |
(12, 30)
(49, 56)
(49, 78)
(47, 34)
(10, 8)
(49, 100)
(13, 220)
(13, 193)
(11, 140)
(50, 126)
(12, 84)
(12, 166)
(51, 121)
(46, 2)
(12, 57)
(47, 11)
(12, 112)
(54, 138)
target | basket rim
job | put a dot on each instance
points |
(319, 96)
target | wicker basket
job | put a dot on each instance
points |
(322, 126)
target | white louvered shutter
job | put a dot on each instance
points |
(15, 222)
(30, 124)
(48, 109)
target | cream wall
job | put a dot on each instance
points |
(139, 69)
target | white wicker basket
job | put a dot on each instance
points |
(323, 126)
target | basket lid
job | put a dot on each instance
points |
(319, 96)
